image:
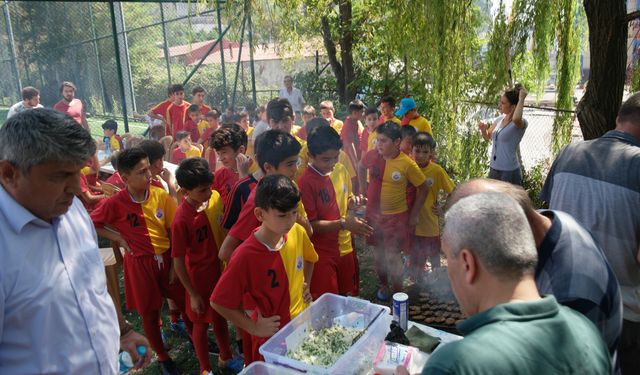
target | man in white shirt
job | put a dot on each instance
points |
(30, 99)
(294, 96)
(56, 315)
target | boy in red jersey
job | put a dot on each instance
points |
(176, 114)
(155, 151)
(390, 171)
(139, 218)
(273, 266)
(197, 98)
(158, 111)
(191, 125)
(325, 187)
(185, 149)
(230, 141)
(196, 237)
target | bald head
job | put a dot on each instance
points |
(487, 185)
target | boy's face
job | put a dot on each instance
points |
(194, 116)
(140, 176)
(326, 113)
(288, 167)
(178, 97)
(421, 155)
(108, 132)
(371, 120)
(185, 144)
(285, 124)
(198, 98)
(244, 122)
(200, 194)
(33, 101)
(277, 221)
(386, 146)
(227, 157)
(357, 115)
(306, 117)
(325, 161)
(386, 109)
(405, 145)
(213, 122)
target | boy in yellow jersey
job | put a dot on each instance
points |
(390, 171)
(273, 266)
(327, 111)
(408, 112)
(110, 129)
(387, 108)
(185, 149)
(139, 218)
(326, 192)
(426, 243)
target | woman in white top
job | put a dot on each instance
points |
(506, 132)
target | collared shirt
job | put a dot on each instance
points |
(572, 267)
(598, 183)
(294, 97)
(19, 107)
(56, 316)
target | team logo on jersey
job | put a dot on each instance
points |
(159, 213)
(299, 263)
(395, 176)
(429, 182)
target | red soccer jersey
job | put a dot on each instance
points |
(204, 109)
(161, 108)
(197, 236)
(73, 109)
(176, 116)
(84, 187)
(192, 128)
(145, 226)
(236, 200)
(319, 198)
(302, 133)
(272, 278)
(351, 133)
(247, 220)
(374, 162)
(223, 181)
(116, 180)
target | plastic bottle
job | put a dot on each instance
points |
(107, 146)
(125, 361)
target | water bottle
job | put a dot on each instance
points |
(126, 363)
(107, 146)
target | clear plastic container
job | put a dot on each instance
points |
(349, 311)
(262, 368)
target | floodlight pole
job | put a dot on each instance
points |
(118, 65)
(12, 47)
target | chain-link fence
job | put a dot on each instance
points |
(122, 55)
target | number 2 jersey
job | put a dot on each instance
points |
(273, 278)
(145, 226)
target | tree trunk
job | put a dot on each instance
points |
(330, 46)
(599, 106)
(346, 50)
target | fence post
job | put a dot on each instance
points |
(12, 47)
(248, 11)
(235, 81)
(96, 50)
(116, 45)
(224, 74)
(164, 42)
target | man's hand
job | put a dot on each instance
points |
(306, 293)
(197, 304)
(129, 342)
(266, 327)
(358, 226)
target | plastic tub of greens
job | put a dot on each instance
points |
(335, 335)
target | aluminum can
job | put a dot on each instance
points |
(401, 309)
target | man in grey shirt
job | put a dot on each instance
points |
(598, 182)
(30, 99)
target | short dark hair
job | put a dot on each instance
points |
(315, 123)
(278, 109)
(423, 139)
(356, 106)
(193, 108)
(261, 108)
(630, 110)
(407, 131)
(213, 113)
(182, 134)
(390, 129)
(193, 173)
(371, 111)
(322, 139)
(244, 139)
(196, 90)
(175, 88)
(129, 158)
(273, 146)
(154, 149)
(29, 93)
(110, 124)
(67, 84)
(226, 136)
(277, 192)
(389, 100)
